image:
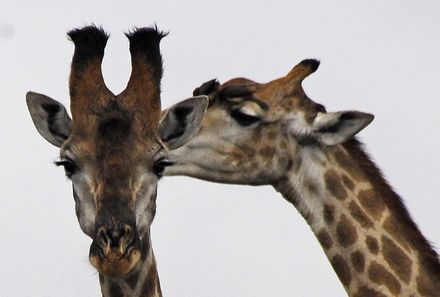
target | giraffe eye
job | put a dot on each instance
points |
(69, 166)
(244, 119)
(160, 165)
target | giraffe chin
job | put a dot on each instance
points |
(114, 265)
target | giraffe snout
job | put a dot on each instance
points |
(115, 249)
(116, 239)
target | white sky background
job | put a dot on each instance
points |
(216, 240)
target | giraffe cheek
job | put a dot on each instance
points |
(145, 211)
(85, 211)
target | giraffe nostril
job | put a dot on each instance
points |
(115, 236)
(125, 229)
(102, 239)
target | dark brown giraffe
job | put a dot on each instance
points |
(273, 134)
(114, 151)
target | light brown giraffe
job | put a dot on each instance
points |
(273, 134)
(114, 151)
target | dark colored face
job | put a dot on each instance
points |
(113, 153)
(114, 170)
(111, 149)
(241, 140)
(114, 162)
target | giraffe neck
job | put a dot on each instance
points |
(142, 282)
(362, 225)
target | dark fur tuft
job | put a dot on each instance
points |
(312, 63)
(207, 88)
(143, 38)
(320, 108)
(89, 41)
(146, 41)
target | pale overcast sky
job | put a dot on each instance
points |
(216, 240)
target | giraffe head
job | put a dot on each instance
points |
(253, 133)
(114, 149)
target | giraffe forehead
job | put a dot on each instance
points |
(114, 144)
(279, 97)
(275, 101)
(282, 101)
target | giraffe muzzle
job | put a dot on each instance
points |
(115, 251)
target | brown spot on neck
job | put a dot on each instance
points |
(342, 270)
(381, 276)
(348, 164)
(372, 244)
(399, 262)
(394, 229)
(358, 261)
(372, 203)
(329, 213)
(359, 215)
(324, 239)
(334, 185)
(345, 232)
(348, 182)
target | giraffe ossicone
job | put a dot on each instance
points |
(114, 152)
(273, 134)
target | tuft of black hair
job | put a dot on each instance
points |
(145, 41)
(89, 41)
(206, 88)
(320, 108)
(312, 63)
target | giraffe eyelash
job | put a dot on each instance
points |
(60, 163)
(69, 166)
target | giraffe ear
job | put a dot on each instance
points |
(50, 118)
(334, 128)
(182, 121)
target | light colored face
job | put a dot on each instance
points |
(254, 133)
(235, 145)
(115, 150)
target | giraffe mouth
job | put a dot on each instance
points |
(114, 262)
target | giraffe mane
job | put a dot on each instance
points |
(429, 257)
